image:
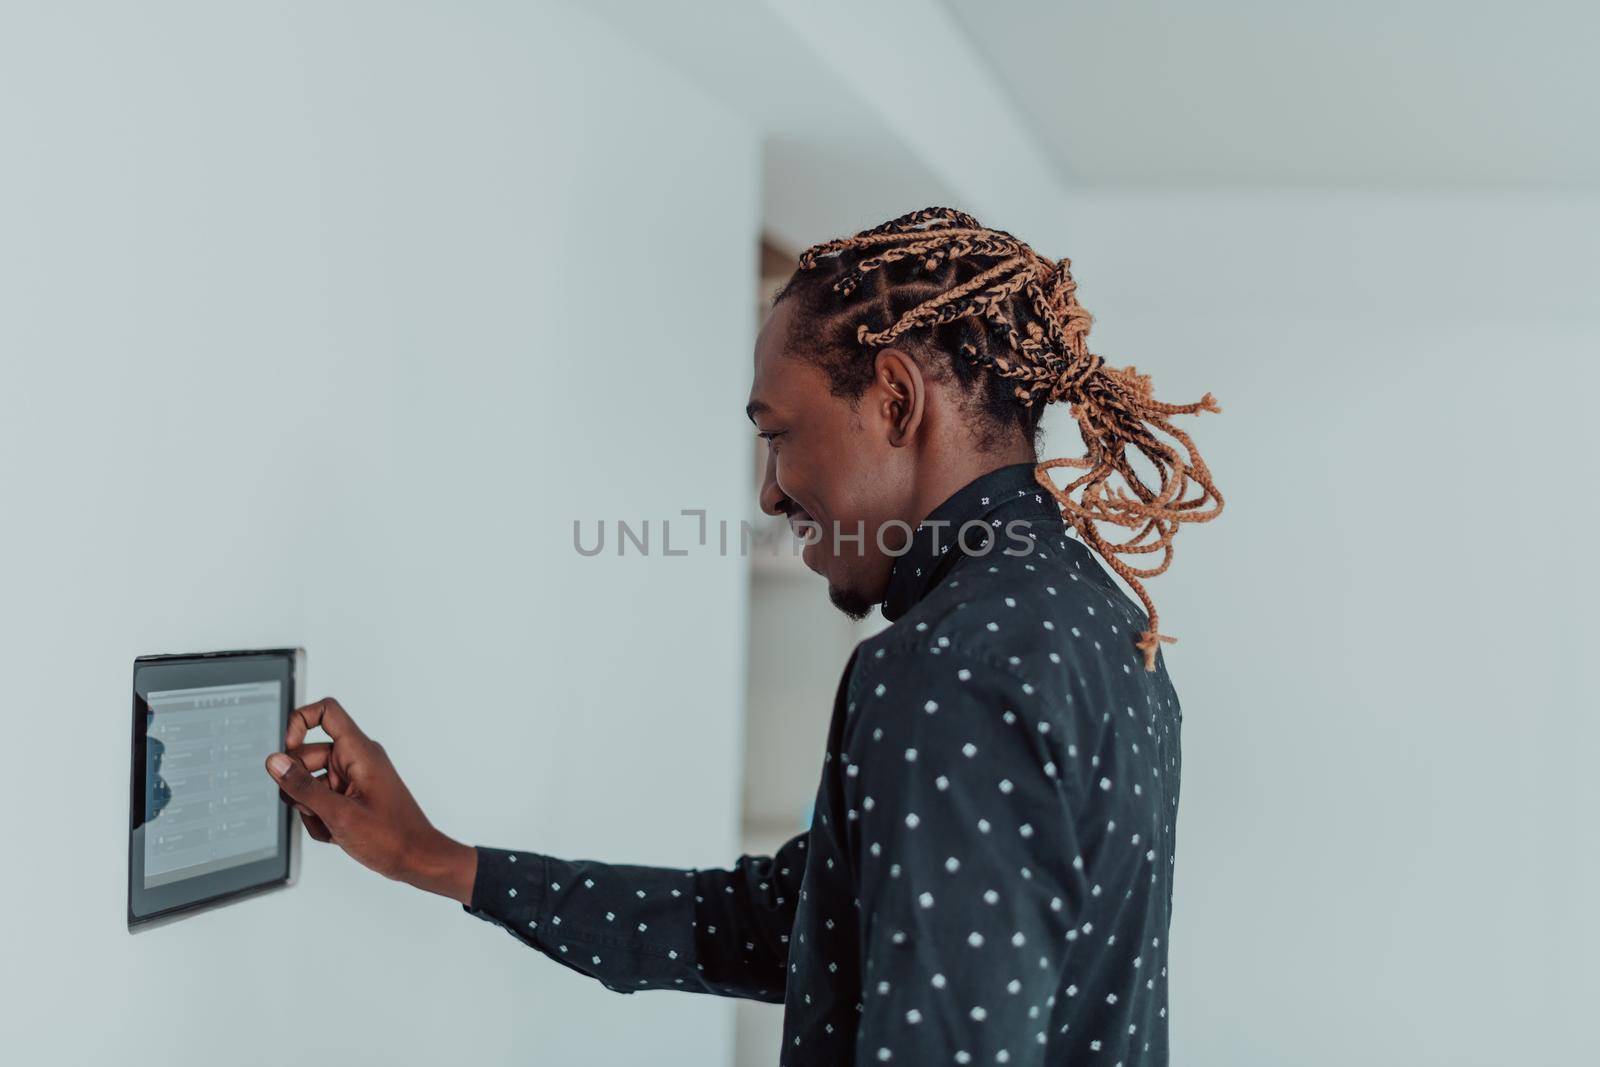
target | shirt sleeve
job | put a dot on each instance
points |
(968, 864)
(722, 931)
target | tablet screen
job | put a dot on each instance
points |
(207, 823)
(208, 803)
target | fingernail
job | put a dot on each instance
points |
(277, 763)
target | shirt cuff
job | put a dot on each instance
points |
(509, 889)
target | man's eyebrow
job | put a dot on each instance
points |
(754, 408)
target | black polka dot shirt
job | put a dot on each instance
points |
(988, 874)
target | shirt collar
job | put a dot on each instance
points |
(995, 498)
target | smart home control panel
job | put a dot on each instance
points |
(206, 823)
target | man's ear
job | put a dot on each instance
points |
(899, 393)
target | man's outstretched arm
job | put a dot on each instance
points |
(630, 927)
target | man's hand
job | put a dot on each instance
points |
(362, 806)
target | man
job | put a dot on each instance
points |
(988, 876)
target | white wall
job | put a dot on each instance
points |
(1385, 845)
(321, 323)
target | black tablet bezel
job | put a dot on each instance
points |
(157, 673)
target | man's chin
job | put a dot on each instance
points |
(851, 603)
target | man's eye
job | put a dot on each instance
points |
(770, 436)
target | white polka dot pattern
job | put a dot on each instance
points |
(988, 874)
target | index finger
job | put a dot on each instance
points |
(326, 713)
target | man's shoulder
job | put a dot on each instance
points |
(999, 601)
(1040, 620)
(975, 631)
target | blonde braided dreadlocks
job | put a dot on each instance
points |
(1012, 313)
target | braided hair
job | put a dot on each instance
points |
(1006, 323)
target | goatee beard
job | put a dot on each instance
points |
(851, 603)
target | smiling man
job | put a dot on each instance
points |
(988, 877)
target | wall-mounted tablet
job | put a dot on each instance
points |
(206, 824)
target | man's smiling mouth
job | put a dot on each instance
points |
(802, 525)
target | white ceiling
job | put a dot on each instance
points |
(830, 165)
(1391, 94)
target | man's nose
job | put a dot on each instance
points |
(773, 499)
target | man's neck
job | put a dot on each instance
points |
(946, 477)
